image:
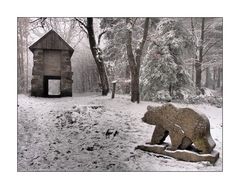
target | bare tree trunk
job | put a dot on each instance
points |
(214, 78)
(195, 50)
(208, 77)
(219, 77)
(198, 65)
(20, 45)
(27, 63)
(198, 74)
(193, 71)
(97, 55)
(22, 54)
(135, 61)
(127, 77)
(135, 95)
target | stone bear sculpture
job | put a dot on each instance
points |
(183, 125)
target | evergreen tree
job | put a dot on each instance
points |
(163, 75)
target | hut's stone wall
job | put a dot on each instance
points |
(52, 62)
(37, 73)
(66, 74)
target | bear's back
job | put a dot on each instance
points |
(193, 123)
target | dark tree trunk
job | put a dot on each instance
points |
(208, 77)
(193, 71)
(219, 77)
(27, 63)
(198, 65)
(214, 78)
(127, 73)
(198, 74)
(127, 77)
(114, 89)
(135, 61)
(97, 55)
(20, 57)
(135, 96)
(195, 50)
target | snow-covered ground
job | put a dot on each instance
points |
(90, 132)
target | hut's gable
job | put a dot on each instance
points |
(52, 41)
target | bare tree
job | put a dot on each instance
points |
(96, 52)
(22, 54)
(198, 64)
(219, 78)
(134, 57)
(207, 42)
(194, 39)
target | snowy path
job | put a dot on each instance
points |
(95, 133)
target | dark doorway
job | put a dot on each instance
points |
(51, 86)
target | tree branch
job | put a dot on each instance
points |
(130, 55)
(210, 47)
(193, 31)
(100, 35)
(38, 19)
(140, 50)
(154, 42)
(134, 21)
(206, 29)
(145, 33)
(82, 25)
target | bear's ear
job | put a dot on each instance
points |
(149, 108)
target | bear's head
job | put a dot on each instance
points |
(156, 115)
(150, 116)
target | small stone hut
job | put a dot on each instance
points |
(52, 71)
